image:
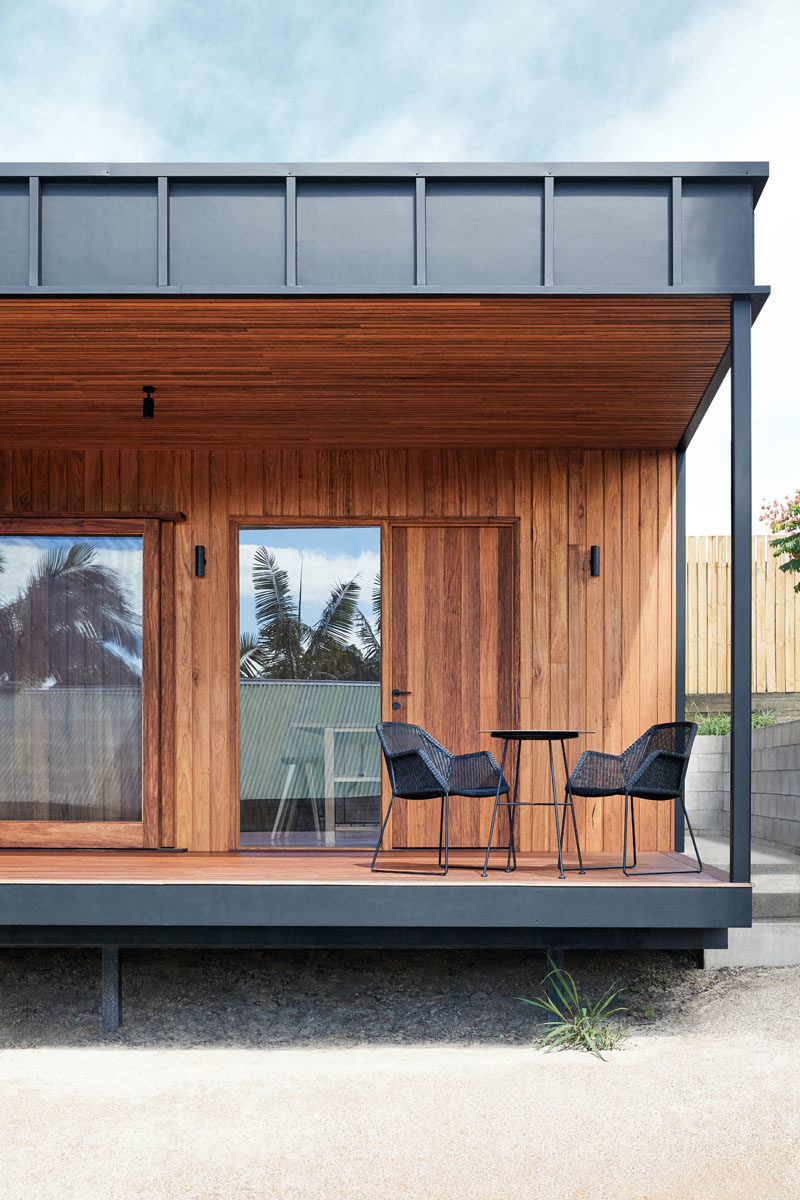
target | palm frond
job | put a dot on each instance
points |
(274, 602)
(277, 613)
(338, 616)
(376, 603)
(371, 644)
(251, 656)
(92, 630)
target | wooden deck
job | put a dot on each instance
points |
(315, 867)
(331, 898)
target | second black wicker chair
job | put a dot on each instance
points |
(653, 768)
(420, 768)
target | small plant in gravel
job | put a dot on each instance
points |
(576, 1023)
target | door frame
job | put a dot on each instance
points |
(235, 525)
(385, 524)
(110, 834)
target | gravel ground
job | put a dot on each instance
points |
(322, 1074)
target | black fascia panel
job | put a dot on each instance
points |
(386, 905)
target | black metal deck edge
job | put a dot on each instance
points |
(374, 906)
(351, 938)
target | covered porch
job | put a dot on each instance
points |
(497, 407)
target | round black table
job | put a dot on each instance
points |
(534, 735)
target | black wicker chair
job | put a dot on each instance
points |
(420, 768)
(653, 768)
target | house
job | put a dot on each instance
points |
(491, 369)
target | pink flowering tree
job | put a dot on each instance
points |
(783, 517)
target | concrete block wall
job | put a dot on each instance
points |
(776, 784)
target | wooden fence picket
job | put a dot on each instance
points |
(775, 619)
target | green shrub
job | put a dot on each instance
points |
(574, 1022)
(713, 724)
(716, 724)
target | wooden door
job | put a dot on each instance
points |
(452, 635)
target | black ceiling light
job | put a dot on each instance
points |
(148, 405)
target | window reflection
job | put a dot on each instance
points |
(71, 678)
(310, 668)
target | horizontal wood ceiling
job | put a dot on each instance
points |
(358, 373)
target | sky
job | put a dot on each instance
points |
(448, 80)
(325, 557)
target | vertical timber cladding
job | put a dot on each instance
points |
(453, 654)
(593, 653)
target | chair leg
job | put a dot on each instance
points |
(491, 831)
(383, 830)
(441, 828)
(568, 792)
(396, 871)
(684, 871)
(446, 828)
(574, 829)
(691, 834)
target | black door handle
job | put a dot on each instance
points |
(397, 692)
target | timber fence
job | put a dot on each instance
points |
(775, 626)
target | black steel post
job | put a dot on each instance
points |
(680, 615)
(741, 590)
(111, 997)
(555, 962)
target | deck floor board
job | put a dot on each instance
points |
(268, 867)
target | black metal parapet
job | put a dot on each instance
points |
(379, 228)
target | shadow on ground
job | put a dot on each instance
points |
(334, 998)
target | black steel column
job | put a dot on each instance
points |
(111, 999)
(554, 957)
(741, 589)
(680, 614)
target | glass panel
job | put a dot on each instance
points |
(310, 670)
(71, 678)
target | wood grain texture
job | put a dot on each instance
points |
(104, 835)
(306, 372)
(583, 654)
(775, 619)
(320, 867)
(453, 649)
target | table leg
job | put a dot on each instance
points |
(494, 810)
(511, 813)
(555, 809)
(330, 786)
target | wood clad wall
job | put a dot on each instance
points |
(595, 653)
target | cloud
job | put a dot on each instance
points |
(732, 94)
(455, 80)
(320, 572)
(230, 80)
(23, 554)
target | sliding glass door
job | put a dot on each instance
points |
(309, 685)
(73, 675)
